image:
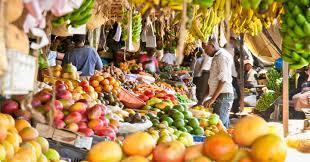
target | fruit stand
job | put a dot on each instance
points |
(123, 113)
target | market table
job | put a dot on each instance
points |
(296, 156)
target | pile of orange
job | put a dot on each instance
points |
(108, 84)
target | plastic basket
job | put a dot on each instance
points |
(130, 100)
(68, 151)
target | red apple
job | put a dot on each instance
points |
(95, 112)
(36, 102)
(66, 103)
(95, 124)
(106, 132)
(60, 87)
(78, 107)
(9, 106)
(58, 115)
(143, 97)
(22, 114)
(169, 152)
(86, 132)
(57, 105)
(72, 127)
(44, 96)
(149, 93)
(59, 124)
(105, 121)
(82, 125)
(67, 95)
(73, 117)
(84, 117)
(84, 83)
(84, 101)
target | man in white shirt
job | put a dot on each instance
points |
(250, 74)
(169, 57)
(220, 81)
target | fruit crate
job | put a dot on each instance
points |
(68, 151)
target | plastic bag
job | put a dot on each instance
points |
(250, 100)
(126, 128)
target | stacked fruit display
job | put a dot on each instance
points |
(78, 17)
(251, 141)
(69, 71)
(105, 84)
(19, 142)
(295, 30)
(110, 99)
(134, 117)
(161, 95)
(178, 117)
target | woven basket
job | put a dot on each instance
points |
(130, 100)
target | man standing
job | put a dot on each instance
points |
(85, 58)
(250, 74)
(220, 81)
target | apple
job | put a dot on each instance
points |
(84, 83)
(57, 105)
(67, 95)
(82, 125)
(169, 152)
(106, 132)
(66, 103)
(149, 93)
(84, 101)
(73, 117)
(59, 124)
(44, 96)
(144, 97)
(9, 107)
(72, 127)
(60, 87)
(95, 124)
(78, 107)
(36, 102)
(95, 112)
(87, 132)
(105, 121)
(84, 117)
(58, 115)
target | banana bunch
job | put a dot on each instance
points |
(295, 30)
(275, 11)
(136, 26)
(245, 21)
(78, 17)
(205, 19)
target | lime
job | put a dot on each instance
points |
(186, 121)
(172, 111)
(198, 131)
(147, 107)
(167, 119)
(183, 129)
(187, 114)
(178, 123)
(177, 115)
(167, 108)
(163, 116)
(189, 128)
(159, 114)
(179, 108)
(214, 119)
(151, 115)
(193, 122)
(155, 122)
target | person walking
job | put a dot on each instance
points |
(220, 90)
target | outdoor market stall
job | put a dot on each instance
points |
(62, 116)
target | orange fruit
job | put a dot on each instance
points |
(107, 88)
(3, 132)
(193, 152)
(268, 148)
(140, 143)
(135, 159)
(98, 89)
(21, 124)
(105, 82)
(108, 151)
(95, 83)
(248, 129)
(28, 134)
(220, 147)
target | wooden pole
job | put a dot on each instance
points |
(242, 54)
(285, 98)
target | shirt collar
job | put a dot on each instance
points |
(218, 52)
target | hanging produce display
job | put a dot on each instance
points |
(136, 26)
(78, 17)
(295, 30)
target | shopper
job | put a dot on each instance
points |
(250, 75)
(85, 58)
(220, 82)
(149, 61)
(196, 68)
(169, 57)
(53, 53)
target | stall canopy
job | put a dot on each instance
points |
(265, 45)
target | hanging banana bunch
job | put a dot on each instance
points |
(273, 13)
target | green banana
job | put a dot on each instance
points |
(81, 21)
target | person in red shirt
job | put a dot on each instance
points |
(149, 61)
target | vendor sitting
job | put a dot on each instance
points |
(302, 99)
(250, 74)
